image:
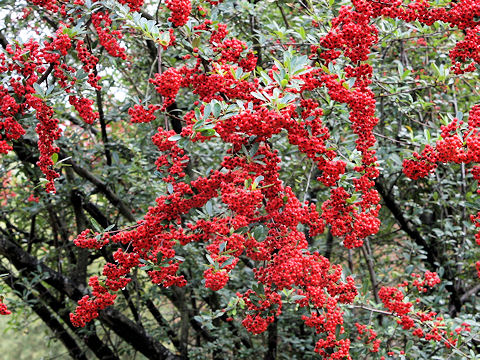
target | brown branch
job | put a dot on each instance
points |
(75, 351)
(103, 188)
(256, 43)
(3, 40)
(90, 338)
(432, 254)
(132, 333)
(373, 277)
(103, 126)
(329, 244)
(135, 335)
(284, 17)
(80, 123)
(23, 261)
(434, 258)
(157, 315)
(174, 299)
(79, 272)
(364, 307)
(45, 74)
(469, 293)
(272, 341)
(406, 91)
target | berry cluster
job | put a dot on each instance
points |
(167, 84)
(89, 63)
(88, 307)
(84, 108)
(422, 324)
(459, 143)
(106, 36)
(134, 5)
(180, 11)
(3, 309)
(215, 280)
(264, 216)
(369, 336)
(141, 115)
(287, 264)
(98, 241)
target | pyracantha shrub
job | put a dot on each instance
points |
(250, 215)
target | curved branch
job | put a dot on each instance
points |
(434, 259)
(75, 351)
(132, 333)
(104, 189)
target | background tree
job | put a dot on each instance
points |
(203, 179)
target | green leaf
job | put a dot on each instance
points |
(254, 149)
(217, 108)
(210, 260)
(207, 111)
(209, 208)
(427, 135)
(39, 90)
(258, 179)
(208, 132)
(222, 246)
(228, 262)
(54, 158)
(175, 137)
(259, 95)
(301, 32)
(96, 225)
(198, 114)
(260, 233)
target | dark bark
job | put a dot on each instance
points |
(434, 259)
(90, 338)
(254, 28)
(3, 40)
(272, 341)
(174, 113)
(103, 126)
(80, 270)
(24, 151)
(131, 306)
(48, 317)
(132, 333)
(26, 262)
(193, 323)
(31, 235)
(103, 188)
(172, 335)
(135, 335)
(95, 213)
(329, 245)
(388, 199)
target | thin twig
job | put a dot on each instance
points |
(397, 141)
(373, 277)
(283, 14)
(308, 182)
(406, 91)
(45, 74)
(103, 126)
(364, 307)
